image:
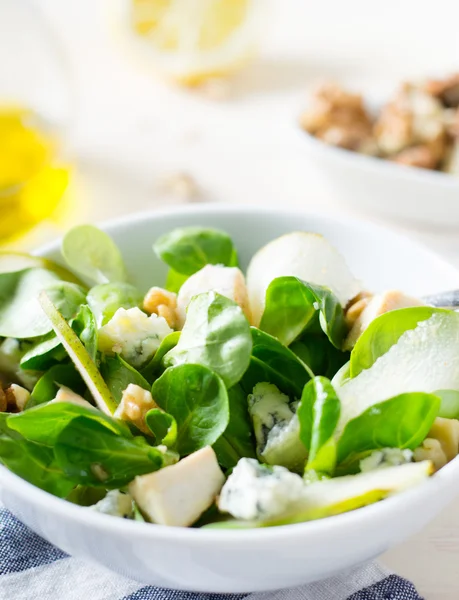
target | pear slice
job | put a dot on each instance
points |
(79, 356)
(424, 359)
(342, 494)
(308, 256)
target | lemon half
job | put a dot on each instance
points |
(192, 41)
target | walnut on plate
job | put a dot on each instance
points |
(411, 128)
(339, 118)
(446, 90)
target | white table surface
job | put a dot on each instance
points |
(131, 131)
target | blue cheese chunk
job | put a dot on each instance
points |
(277, 429)
(259, 492)
(133, 335)
(386, 457)
(117, 504)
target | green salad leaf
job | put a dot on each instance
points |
(197, 398)
(292, 305)
(449, 407)
(273, 362)
(91, 453)
(318, 414)
(188, 249)
(105, 299)
(174, 281)
(84, 325)
(217, 335)
(33, 462)
(163, 426)
(237, 440)
(48, 385)
(400, 422)
(316, 351)
(118, 374)
(86, 496)
(93, 254)
(384, 332)
(79, 356)
(43, 424)
(155, 366)
(45, 353)
(20, 313)
(15, 262)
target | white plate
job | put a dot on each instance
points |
(242, 561)
(380, 187)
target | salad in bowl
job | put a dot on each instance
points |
(220, 399)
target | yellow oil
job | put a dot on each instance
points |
(32, 178)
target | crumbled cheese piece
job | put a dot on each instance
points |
(277, 429)
(115, 503)
(133, 334)
(386, 457)
(258, 492)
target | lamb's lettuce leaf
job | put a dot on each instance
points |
(400, 422)
(292, 306)
(273, 362)
(188, 249)
(318, 414)
(93, 254)
(217, 335)
(105, 299)
(198, 400)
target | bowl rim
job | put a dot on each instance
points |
(34, 496)
(376, 164)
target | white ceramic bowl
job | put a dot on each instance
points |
(243, 561)
(380, 187)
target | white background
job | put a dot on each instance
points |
(130, 131)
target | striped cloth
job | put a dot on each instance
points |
(33, 569)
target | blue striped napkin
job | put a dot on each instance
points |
(33, 569)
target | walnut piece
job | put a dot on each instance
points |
(431, 449)
(13, 399)
(339, 118)
(412, 119)
(162, 303)
(446, 90)
(134, 405)
(355, 307)
(417, 156)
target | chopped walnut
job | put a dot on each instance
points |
(417, 156)
(412, 118)
(13, 399)
(162, 303)
(446, 90)
(431, 449)
(134, 405)
(181, 186)
(339, 118)
(355, 307)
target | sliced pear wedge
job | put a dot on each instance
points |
(79, 356)
(342, 494)
(424, 359)
(308, 256)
